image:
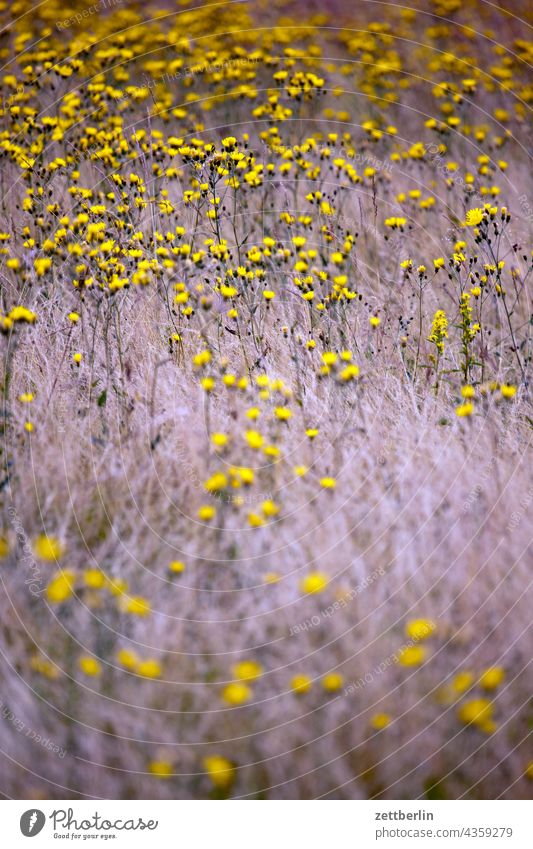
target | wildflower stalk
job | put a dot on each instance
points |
(439, 332)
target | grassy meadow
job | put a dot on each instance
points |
(265, 348)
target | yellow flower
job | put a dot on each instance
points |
(219, 440)
(127, 658)
(465, 409)
(216, 482)
(328, 483)
(163, 769)
(48, 548)
(395, 222)
(220, 771)
(247, 670)
(254, 439)
(380, 721)
(269, 508)
(375, 321)
(301, 684)
(42, 265)
(77, 358)
(271, 577)
(412, 655)
(206, 512)
(60, 587)
(476, 712)
(136, 605)
(332, 682)
(439, 330)
(507, 391)
(462, 681)
(283, 413)
(315, 582)
(94, 578)
(492, 677)
(236, 693)
(90, 666)
(149, 668)
(255, 520)
(419, 629)
(474, 217)
(176, 566)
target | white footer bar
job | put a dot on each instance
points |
(269, 825)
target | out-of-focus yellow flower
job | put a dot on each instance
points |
(380, 721)
(254, 439)
(269, 508)
(301, 684)
(465, 409)
(162, 769)
(90, 666)
(315, 582)
(136, 605)
(236, 693)
(332, 682)
(219, 440)
(127, 658)
(271, 578)
(412, 655)
(149, 668)
(221, 771)
(247, 670)
(419, 629)
(94, 578)
(492, 677)
(462, 681)
(60, 587)
(477, 712)
(206, 512)
(48, 548)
